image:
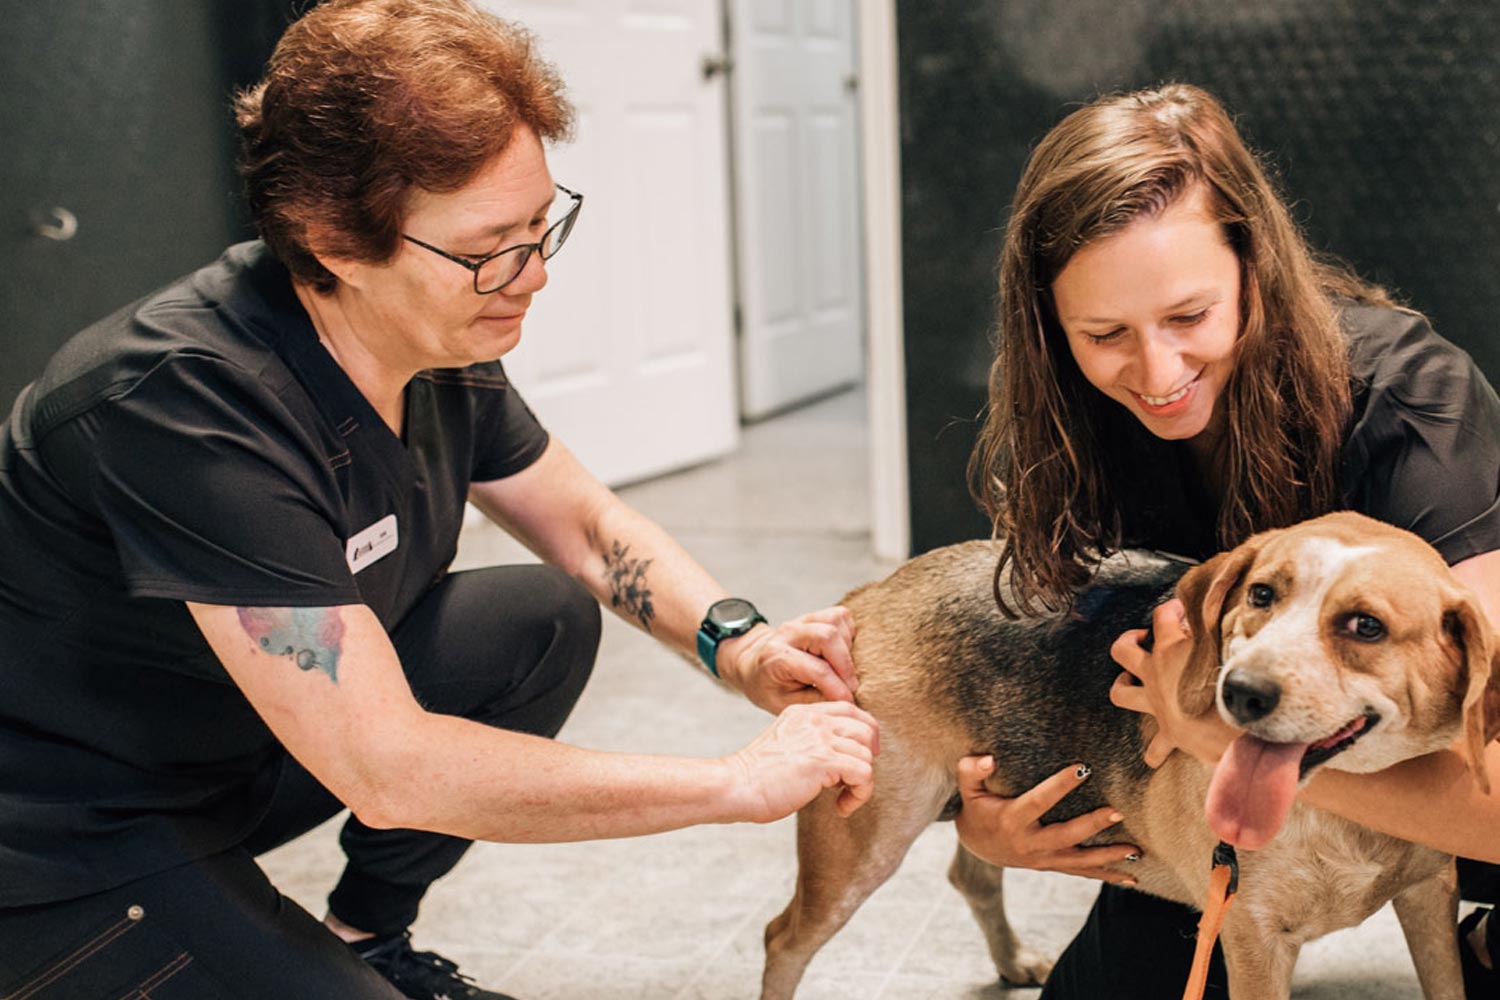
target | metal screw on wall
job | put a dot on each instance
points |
(61, 225)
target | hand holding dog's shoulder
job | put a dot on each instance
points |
(1149, 684)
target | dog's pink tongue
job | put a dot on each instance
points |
(1252, 790)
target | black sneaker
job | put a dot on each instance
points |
(1479, 983)
(421, 975)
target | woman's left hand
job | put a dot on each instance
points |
(1149, 684)
(805, 659)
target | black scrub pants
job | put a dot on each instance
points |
(1139, 947)
(510, 646)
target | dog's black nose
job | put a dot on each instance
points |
(1249, 697)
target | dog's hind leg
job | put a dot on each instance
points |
(1427, 912)
(981, 885)
(839, 863)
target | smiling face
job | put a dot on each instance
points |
(1151, 314)
(423, 305)
(1340, 641)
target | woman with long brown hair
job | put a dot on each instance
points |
(1177, 370)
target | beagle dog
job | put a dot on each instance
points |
(1340, 642)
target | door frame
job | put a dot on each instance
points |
(880, 147)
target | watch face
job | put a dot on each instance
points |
(732, 612)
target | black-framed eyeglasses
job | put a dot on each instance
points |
(500, 268)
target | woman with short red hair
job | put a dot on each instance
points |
(226, 518)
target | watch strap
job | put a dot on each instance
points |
(708, 650)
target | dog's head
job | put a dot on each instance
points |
(1340, 641)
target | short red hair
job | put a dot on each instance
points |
(366, 99)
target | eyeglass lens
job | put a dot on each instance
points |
(500, 271)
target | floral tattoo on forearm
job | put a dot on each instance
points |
(312, 637)
(627, 584)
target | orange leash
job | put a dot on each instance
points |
(1223, 883)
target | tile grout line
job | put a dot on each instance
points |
(911, 943)
(530, 953)
(723, 946)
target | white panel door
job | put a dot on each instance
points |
(797, 200)
(627, 355)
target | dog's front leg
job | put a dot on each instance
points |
(1258, 955)
(1428, 911)
(982, 884)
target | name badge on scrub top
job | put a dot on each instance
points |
(373, 544)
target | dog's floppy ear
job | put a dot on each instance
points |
(1203, 591)
(1479, 678)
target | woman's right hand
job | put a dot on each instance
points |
(1149, 684)
(807, 749)
(1007, 832)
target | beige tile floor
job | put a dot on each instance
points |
(785, 521)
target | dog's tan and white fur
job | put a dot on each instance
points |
(1372, 650)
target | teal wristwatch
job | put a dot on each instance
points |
(733, 616)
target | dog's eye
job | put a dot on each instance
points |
(1261, 595)
(1366, 628)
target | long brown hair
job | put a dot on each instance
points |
(1043, 468)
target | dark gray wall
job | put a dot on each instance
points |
(118, 112)
(1381, 118)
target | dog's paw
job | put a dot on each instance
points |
(1026, 968)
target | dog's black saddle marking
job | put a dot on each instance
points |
(1035, 691)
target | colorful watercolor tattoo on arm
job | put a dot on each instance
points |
(627, 584)
(312, 637)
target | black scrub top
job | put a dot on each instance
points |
(199, 445)
(1422, 451)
